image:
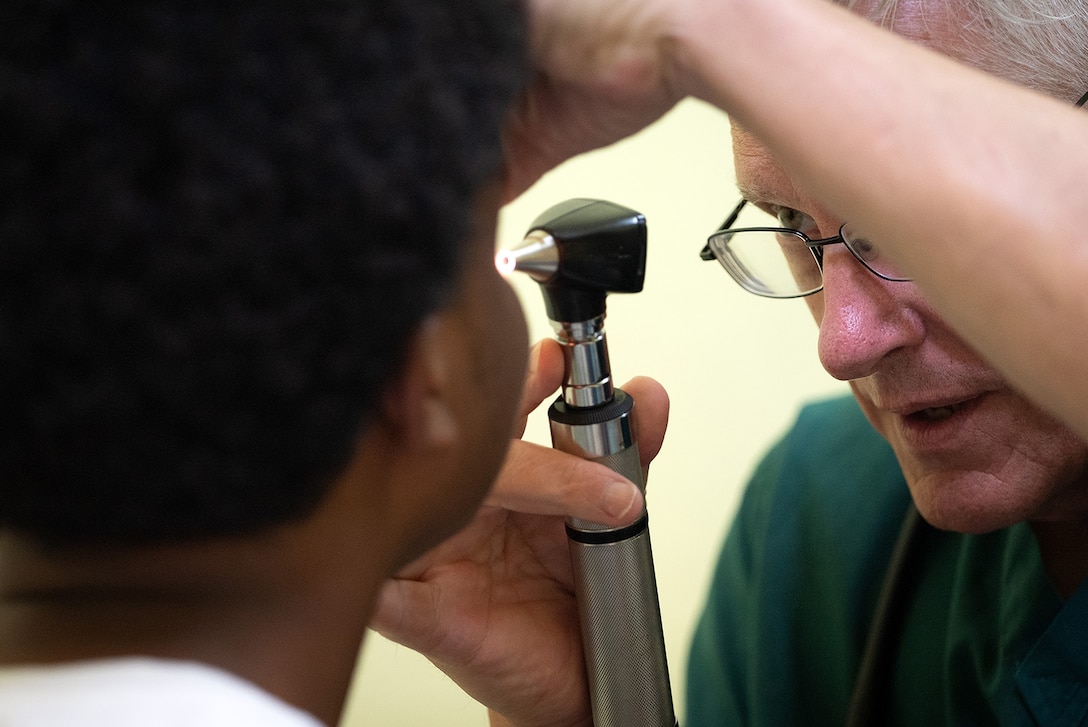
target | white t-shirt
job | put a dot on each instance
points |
(138, 692)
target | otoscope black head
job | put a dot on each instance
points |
(601, 249)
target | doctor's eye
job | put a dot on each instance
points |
(794, 220)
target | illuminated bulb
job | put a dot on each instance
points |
(505, 263)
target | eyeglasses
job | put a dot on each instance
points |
(781, 262)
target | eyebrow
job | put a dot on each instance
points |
(761, 195)
(750, 192)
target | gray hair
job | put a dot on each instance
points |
(1041, 44)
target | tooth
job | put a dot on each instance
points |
(939, 412)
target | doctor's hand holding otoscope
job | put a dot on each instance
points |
(495, 606)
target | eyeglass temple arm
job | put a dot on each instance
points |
(706, 253)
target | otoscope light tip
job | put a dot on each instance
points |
(538, 257)
(505, 263)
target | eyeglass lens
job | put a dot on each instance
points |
(774, 264)
(768, 260)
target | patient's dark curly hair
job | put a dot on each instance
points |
(219, 225)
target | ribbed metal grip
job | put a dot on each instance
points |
(614, 580)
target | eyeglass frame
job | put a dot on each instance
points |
(708, 254)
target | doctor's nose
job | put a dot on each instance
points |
(863, 319)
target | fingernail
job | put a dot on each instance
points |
(620, 499)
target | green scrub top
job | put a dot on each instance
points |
(984, 637)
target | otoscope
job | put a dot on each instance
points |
(579, 251)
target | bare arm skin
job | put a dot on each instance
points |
(974, 184)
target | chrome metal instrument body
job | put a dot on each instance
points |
(579, 251)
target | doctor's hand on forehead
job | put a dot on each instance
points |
(603, 76)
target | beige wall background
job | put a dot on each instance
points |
(737, 369)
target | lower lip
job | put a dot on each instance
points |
(923, 433)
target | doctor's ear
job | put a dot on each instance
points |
(418, 406)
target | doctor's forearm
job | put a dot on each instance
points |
(974, 184)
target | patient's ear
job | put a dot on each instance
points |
(419, 402)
